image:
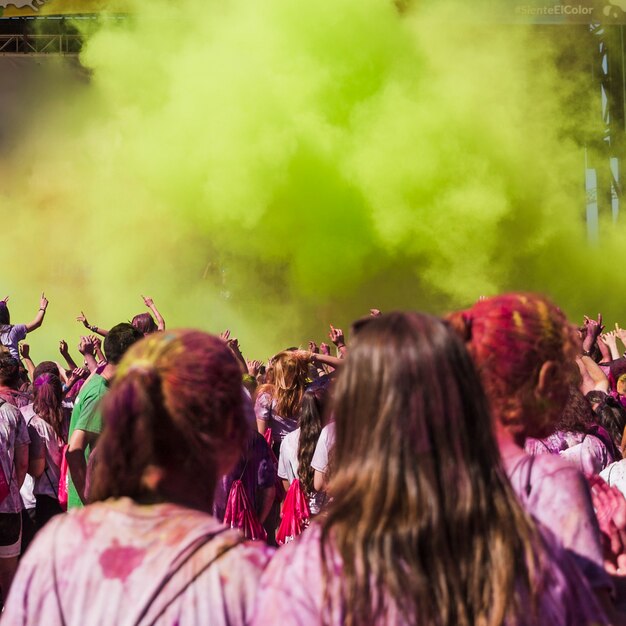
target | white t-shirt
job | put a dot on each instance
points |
(39, 430)
(288, 468)
(615, 475)
(323, 449)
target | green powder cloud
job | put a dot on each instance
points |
(273, 166)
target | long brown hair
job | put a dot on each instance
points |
(289, 377)
(47, 403)
(175, 404)
(311, 412)
(424, 518)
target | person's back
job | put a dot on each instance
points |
(292, 591)
(178, 565)
(556, 494)
(523, 348)
(86, 420)
(14, 442)
(146, 550)
(424, 527)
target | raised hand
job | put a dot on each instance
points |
(621, 333)
(97, 342)
(83, 319)
(63, 349)
(148, 301)
(610, 506)
(77, 374)
(593, 378)
(610, 339)
(85, 346)
(253, 367)
(25, 351)
(336, 336)
(43, 302)
(225, 335)
(591, 330)
(375, 313)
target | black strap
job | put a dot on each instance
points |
(528, 487)
(55, 491)
(186, 586)
(201, 543)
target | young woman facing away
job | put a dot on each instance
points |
(147, 551)
(277, 402)
(48, 424)
(297, 448)
(525, 351)
(424, 527)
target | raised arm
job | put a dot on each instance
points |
(97, 349)
(65, 353)
(149, 302)
(76, 463)
(36, 323)
(593, 378)
(93, 328)
(233, 346)
(337, 337)
(326, 359)
(621, 333)
(28, 362)
(85, 347)
(590, 332)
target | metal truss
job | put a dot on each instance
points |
(40, 44)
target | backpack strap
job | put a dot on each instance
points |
(529, 471)
(45, 470)
(170, 577)
(145, 617)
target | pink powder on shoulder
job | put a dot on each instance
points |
(120, 561)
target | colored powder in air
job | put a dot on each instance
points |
(272, 166)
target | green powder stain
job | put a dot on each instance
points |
(273, 166)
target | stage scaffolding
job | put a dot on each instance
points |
(605, 159)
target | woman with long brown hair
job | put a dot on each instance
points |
(147, 550)
(424, 527)
(277, 402)
(298, 447)
(48, 424)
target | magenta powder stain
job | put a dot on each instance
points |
(120, 561)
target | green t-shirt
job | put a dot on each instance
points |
(87, 417)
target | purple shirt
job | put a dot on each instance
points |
(587, 452)
(557, 495)
(11, 336)
(265, 410)
(291, 592)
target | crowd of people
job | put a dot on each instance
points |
(463, 470)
